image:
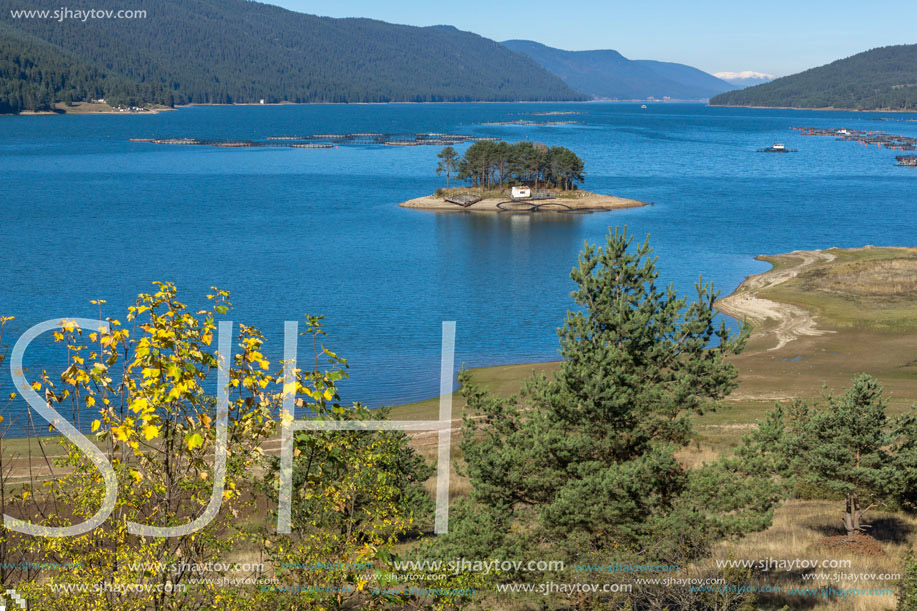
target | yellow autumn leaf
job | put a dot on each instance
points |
(150, 431)
(139, 405)
(173, 371)
(329, 394)
(95, 425)
(120, 433)
(195, 441)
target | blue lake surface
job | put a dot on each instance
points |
(86, 214)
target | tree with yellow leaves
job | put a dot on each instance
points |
(181, 509)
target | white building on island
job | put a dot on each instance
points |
(521, 192)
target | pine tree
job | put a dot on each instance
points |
(583, 463)
(905, 451)
(846, 447)
(448, 163)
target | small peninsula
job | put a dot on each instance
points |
(521, 177)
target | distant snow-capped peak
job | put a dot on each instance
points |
(746, 78)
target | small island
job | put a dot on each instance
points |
(521, 177)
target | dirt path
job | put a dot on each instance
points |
(787, 322)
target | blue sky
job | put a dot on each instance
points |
(776, 37)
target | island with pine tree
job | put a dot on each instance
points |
(520, 177)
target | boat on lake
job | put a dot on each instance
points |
(777, 148)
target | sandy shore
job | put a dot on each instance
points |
(91, 108)
(788, 321)
(586, 202)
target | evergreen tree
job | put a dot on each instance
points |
(846, 448)
(583, 463)
(487, 164)
(905, 450)
(448, 163)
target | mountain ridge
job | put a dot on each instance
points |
(607, 74)
(884, 78)
(228, 51)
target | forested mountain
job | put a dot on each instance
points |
(34, 74)
(879, 79)
(225, 51)
(608, 74)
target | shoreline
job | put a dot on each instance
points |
(159, 109)
(89, 108)
(770, 368)
(583, 202)
(762, 365)
(382, 103)
(827, 108)
(790, 321)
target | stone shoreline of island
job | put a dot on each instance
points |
(577, 201)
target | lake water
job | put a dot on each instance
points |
(86, 214)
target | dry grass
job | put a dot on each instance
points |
(695, 455)
(869, 288)
(798, 527)
(882, 278)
